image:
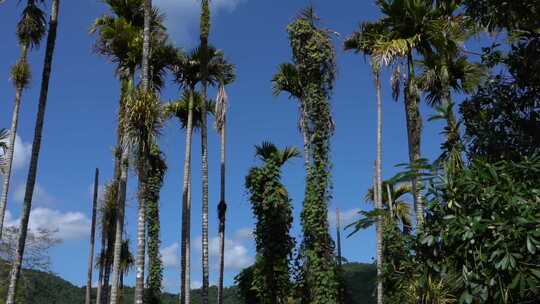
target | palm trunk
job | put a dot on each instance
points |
(305, 133)
(36, 145)
(11, 148)
(338, 238)
(378, 188)
(414, 130)
(188, 245)
(204, 148)
(119, 226)
(379, 249)
(121, 175)
(92, 240)
(222, 212)
(186, 212)
(141, 225)
(100, 279)
(141, 230)
(205, 30)
(106, 278)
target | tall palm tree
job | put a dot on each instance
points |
(117, 33)
(30, 31)
(204, 34)
(366, 41)
(36, 145)
(314, 55)
(146, 110)
(222, 101)
(287, 79)
(92, 239)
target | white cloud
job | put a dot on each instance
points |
(347, 217)
(244, 234)
(170, 256)
(23, 150)
(67, 226)
(183, 16)
(41, 196)
(237, 255)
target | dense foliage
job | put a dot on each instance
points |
(314, 58)
(271, 206)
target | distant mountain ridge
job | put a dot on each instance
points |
(40, 287)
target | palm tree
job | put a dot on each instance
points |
(92, 239)
(143, 123)
(314, 56)
(367, 41)
(393, 201)
(204, 33)
(108, 213)
(30, 31)
(36, 145)
(146, 111)
(407, 27)
(156, 173)
(222, 101)
(287, 79)
(271, 207)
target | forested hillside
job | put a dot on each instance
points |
(46, 288)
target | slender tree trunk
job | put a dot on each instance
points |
(12, 135)
(188, 245)
(92, 240)
(305, 133)
(184, 285)
(378, 188)
(146, 44)
(107, 277)
(121, 176)
(119, 226)
(338, 237)
(414, 130)
(100, 280)
(36, 145)
(141, 225)
(222, 212)
(379, 249)
(141, 231)
(205, 30)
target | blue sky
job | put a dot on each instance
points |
(79, 130)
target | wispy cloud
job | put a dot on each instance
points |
(66, 225)
(22, 154)
(183, 16)
(41, 196)
(170, 255)
(346, 216)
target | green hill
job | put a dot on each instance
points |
(46, 288)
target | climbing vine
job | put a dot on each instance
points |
(272, 209)
(314, 57)
(155, 177)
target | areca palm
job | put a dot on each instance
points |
(287, 79)
(92, 239)
(188, 74)
(409, 26)
(30, 31)
(36, 146)
(222, 102)
(204, 34)
(366, 41)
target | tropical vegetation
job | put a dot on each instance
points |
(463, 227)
